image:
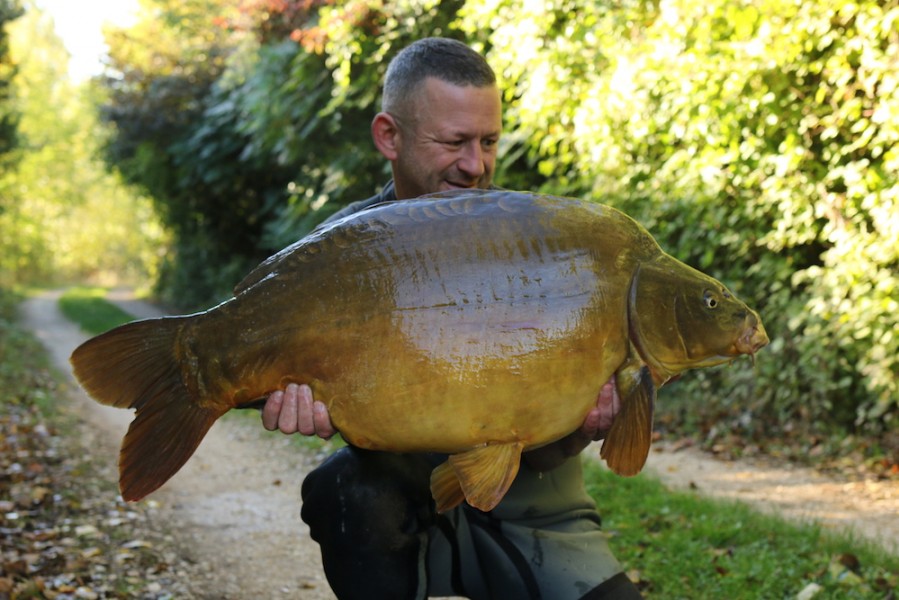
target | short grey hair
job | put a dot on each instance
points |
(441, 58)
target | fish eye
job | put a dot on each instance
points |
(711, 300)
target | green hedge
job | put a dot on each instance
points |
(756, 140)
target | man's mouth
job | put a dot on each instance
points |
(461, 186)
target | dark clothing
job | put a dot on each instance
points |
(381, 538)
(374, 519)
(388, 194)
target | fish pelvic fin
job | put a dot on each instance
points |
(483, 474)
(626, 446)
(445, 487)
(134, 366)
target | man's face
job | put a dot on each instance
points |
(450, 140)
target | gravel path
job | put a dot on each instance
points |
(233, 510)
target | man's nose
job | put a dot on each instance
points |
(472, 159)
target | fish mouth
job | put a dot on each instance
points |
(753, 339)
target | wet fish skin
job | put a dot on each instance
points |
(477, 323)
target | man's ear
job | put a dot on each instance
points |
(384, 132)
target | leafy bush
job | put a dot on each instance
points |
(756, 140)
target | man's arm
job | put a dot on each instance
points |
(294, 411)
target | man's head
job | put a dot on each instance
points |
(441, 118)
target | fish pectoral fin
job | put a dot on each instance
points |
(446, 488)
(627, 444)
(485, 473)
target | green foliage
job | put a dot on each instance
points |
(318, 117)
(173, 140)
(65, 217)
(9, 118)
(10, 10)
(756, 140)
(678, 545)
(245, 153)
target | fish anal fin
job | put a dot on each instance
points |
(626, 446)
(486, 473)
(162, 436)
(445, 487)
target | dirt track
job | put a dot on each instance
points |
(234, 508)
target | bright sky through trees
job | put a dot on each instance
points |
(79, 25)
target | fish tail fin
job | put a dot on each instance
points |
(161, 438)
(626, 446)
(134, 366)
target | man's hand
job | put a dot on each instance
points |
(599, 419)
(294, 410)
(596, 424)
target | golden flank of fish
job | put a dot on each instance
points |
(479, 324)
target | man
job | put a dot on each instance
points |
(371, 512)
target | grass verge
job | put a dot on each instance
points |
(680, 545)
(88, 307)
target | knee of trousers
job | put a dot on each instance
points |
(378, 495)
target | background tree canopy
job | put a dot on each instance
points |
(9, 11)
(756, 140)
(63, 214)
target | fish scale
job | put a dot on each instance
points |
(476, 323)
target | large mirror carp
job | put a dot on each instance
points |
(476, 323)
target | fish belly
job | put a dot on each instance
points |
(440, 333)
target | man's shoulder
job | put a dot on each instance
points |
(387, 194)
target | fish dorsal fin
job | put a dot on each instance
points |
(627, 444)
(484, 475)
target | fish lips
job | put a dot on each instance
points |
(753, 338)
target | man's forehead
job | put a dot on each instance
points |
(463, 108)
(460, 128)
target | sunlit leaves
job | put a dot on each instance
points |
(756, 139)
(64, 216)
(9, 11)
